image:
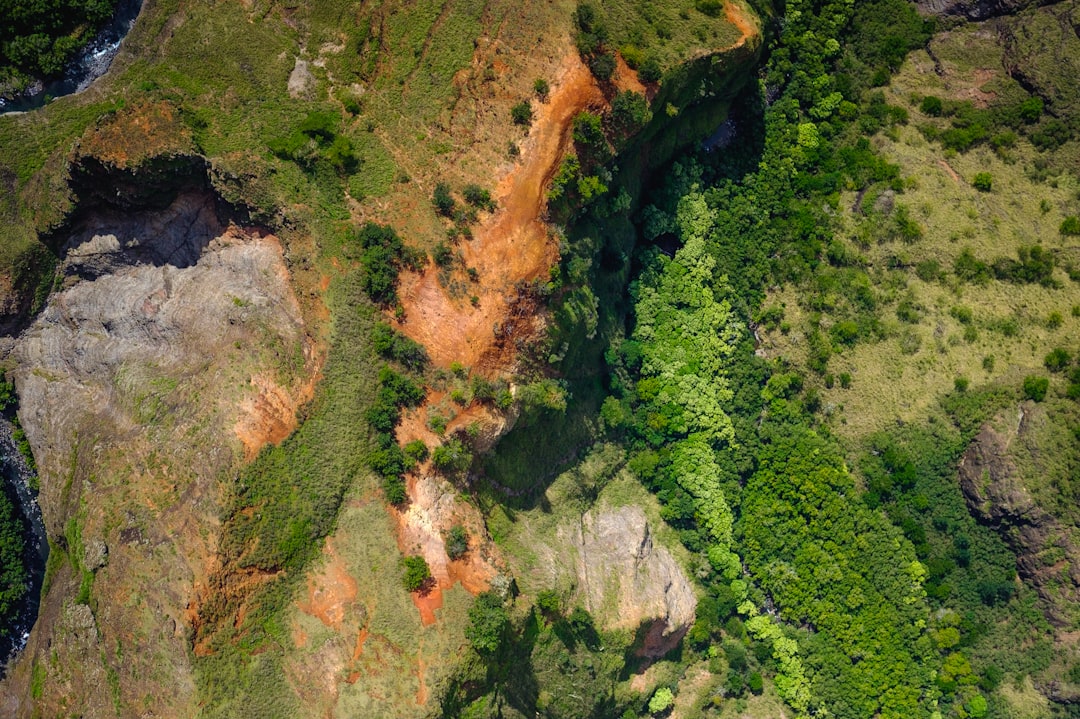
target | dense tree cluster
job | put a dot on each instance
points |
(39, 37)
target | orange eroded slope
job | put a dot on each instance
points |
(511, 246)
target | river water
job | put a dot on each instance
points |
(89, 65)
(16, 477)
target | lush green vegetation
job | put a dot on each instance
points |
(417, 573)
(894, 599)
(12, 568)
(38, 38)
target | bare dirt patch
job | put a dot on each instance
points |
(434, 508)
(330, 591)
(510, 247)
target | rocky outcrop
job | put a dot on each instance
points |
(628, 581)
(974, 9)
(996, 493)
(131, 383)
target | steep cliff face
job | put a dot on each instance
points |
(996, 487)
(974, 9)
(133, 382)
(628, 581)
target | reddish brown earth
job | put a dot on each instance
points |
(509, 247)
(330, 591)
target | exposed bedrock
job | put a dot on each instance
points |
(628, 581)
(975, 9)
(997, 493)
(135, 382)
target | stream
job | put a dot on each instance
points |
(16, 483)
(89, 65)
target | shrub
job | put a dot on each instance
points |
(845, 380)
(417, 572)
(488, 621)
(395, 346)
(394, 488)
(478, 197)
(541, 88)
(416, 451)
(1070, 226)
(961, 384)
(1031, 109)
(457, 542)
(1035, 265)
(963, 315)
(1054, 320)
(443, 255)
(661, 701)
(443, 201)
(548, 602)
(522, 113)
(602, 66)
(968, 268)
(712, 8)
(1057, 360)
(1035, 387)
(588, 130)
(650, 72)
(382, 256)
(929, 270)
(629, 111)
(453, 456)
(931, 106)
(983, 182)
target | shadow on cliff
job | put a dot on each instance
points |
(727, 141)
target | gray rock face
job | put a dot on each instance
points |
(974, 9)
(132, 384)
(628, 580)
(301, 81)
(161, 295)
(995, 492)
(95, 555)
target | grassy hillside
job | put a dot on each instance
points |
(312, 119)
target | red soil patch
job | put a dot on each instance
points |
(430, 512)
(747, 27)
(330, 591)
(269, 416)
(421, 689)
(509, 247)
(361, 637)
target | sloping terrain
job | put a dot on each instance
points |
(163, 379)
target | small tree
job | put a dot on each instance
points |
(602, 66)
(1035, 387)
(488, 621)
(650, 71)
(417, 572)
(1057, 360)
(931, 106)
(983, 182)
(661, 701)
(457, 542)
(442, 200)
(522, 113)
(478, 197)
